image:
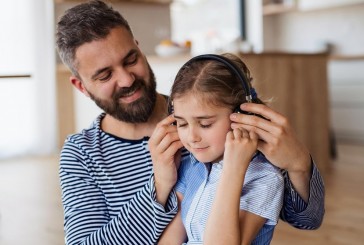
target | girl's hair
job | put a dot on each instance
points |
(85, 23)
(213, 81)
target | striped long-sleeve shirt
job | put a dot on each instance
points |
(295, 211)
(108, 192)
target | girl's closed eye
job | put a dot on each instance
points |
(205, 125)
(181, 124)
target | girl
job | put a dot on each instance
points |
(229, 192)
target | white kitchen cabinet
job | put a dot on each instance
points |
(323, 4)
(27, 94)
(346, 79)
(165, 70)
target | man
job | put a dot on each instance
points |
(112, 191)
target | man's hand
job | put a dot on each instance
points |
(278, 142)
(164, 145)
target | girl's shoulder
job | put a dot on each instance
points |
(260, 164)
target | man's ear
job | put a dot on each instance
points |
(77, 83)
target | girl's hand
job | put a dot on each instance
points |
(240, 146)
(164, 145)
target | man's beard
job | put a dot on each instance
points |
(138, 111)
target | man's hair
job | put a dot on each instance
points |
(85, 23)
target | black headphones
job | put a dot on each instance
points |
(232, 68)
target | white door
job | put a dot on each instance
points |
(26, 88)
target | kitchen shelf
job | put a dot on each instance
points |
(119, 1)
(306, 6)
(278, 8)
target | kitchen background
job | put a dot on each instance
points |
(304, 26)
(39, 107)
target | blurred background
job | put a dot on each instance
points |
(307, 56)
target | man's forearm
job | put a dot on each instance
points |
(300, 178)
(299, 213)
(301, 183)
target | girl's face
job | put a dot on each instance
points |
(202, 127)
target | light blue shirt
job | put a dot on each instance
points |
(262, 194)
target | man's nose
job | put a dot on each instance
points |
(124, 77)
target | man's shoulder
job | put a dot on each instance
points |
(87, 135)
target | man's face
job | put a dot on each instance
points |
(116, 75)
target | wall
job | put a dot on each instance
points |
(210, 25)
(346, 78)
(150, 22)
(307, 31)
(311, 31)
(27, 105)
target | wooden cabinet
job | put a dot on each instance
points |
(297, 86)
(65, 104)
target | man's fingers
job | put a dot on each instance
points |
(260, 133)
(257, 124)
(162, 129)
(166, 121)
(173, 148)
(259, 109)
(167, 141)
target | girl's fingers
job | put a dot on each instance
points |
(245, 133)
(237, 133)
(242, 133)
(253, 135)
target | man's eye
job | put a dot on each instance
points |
(106, 77)
(132, 60)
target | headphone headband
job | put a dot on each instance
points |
(232, 68)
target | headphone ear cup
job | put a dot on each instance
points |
(240, 111)
(171, 110)
(237, 109)
(170, 107)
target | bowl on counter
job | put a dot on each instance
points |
(171, 50)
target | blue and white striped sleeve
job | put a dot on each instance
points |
(87, 220)
(296, 211)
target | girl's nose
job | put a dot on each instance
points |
(193, 135)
